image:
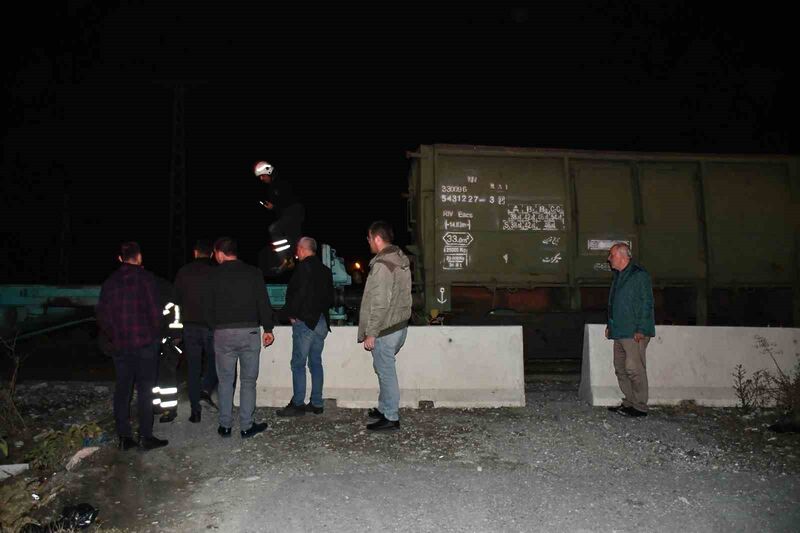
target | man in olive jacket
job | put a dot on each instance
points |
(383, 320)
(631, 325)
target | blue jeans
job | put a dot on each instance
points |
(196, 340)
(307, 347)
(242, 345)
(384, 362)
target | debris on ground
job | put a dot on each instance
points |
(7, 471)
(79, 516)
(80, 455)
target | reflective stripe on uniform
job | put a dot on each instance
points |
(172, 403)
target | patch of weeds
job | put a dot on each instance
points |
(763, 388)
(53, 447)
(753, 391)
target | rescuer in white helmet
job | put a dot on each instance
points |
(284, 233)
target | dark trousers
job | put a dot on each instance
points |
(199, 340)
(165, 393)
(138, 366)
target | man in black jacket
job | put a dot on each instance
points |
(308, 300)
(192, 291)
(239, 305)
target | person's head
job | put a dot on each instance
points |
(225, 249)
(306, 246)
(379, 236)
(129, 252)
(263, 170)
(619, 256)
(203, 248)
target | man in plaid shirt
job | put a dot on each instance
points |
(128, 312)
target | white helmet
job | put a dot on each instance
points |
(262, 167)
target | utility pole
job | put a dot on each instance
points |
(176, 246)
(177, 183)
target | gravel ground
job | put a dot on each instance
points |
(554, 465)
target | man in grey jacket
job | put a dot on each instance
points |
(238, 306)
(383, 320)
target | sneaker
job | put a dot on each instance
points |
(195, 417)
(384, 424)
(374, 413)
(292, 410)
(255, 429)
(168, 416)
(205, 398)
(630, 411)
(151, 443)
(223, 431)
(311, 408)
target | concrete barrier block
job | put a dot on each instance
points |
(451, 366)
(688, 362)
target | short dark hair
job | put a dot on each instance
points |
(204, 246)
(227, 246)
(129, 250)
(383, 230)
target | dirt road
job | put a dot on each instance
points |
(554, 465)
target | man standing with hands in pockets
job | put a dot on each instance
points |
(631, 324)
(383, 320)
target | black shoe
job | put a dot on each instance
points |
(224, 432)
(616, 408)
(168, 416)
(384, 424)
(255, 429)
(292, 410)
(151, 443)
(205, 398)
(630, 411)
(374, 413)
(311, 408)
(195, 418)
(126, 443)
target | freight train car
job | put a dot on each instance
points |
(520, 235)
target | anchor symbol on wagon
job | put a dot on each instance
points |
(441, 299)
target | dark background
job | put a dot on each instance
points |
(334, 95)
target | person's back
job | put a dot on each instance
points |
(233, 301)
(192, 286)
(128, 307)
(128, 312)
(193, 293)
(239, 305)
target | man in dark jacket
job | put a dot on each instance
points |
(129, 314)
(193, 292)
(239, 305)
(631, 324)
(308, 300)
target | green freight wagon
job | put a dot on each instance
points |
(521, 235)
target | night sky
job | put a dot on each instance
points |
(334, 96)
